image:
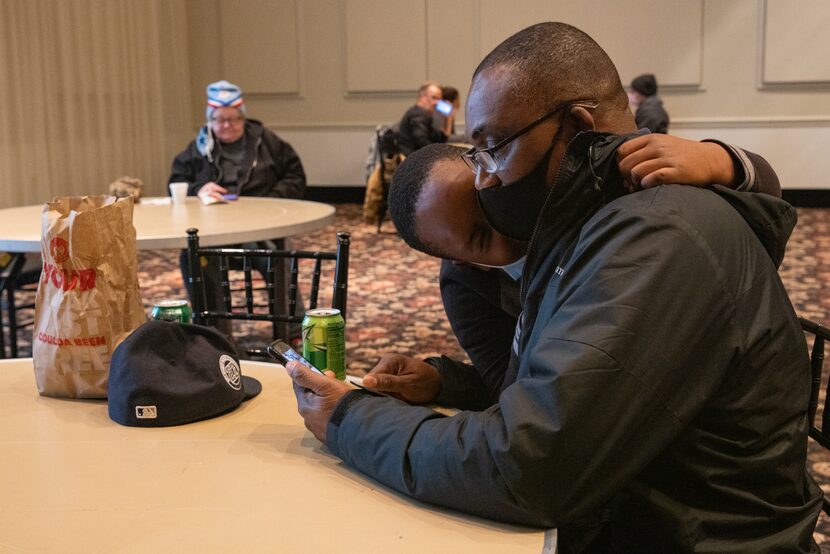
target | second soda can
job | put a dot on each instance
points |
(324, 340)
(172, 310)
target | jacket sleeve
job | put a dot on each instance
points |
(472, 301)
(649, 117)
(291, 180)
(424, 133)
(608, 380)
(462, 387)
(185, 170)
(752, 172)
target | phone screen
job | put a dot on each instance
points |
(444, 107)
(280, 351)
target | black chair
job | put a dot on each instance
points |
(16, 276)
(820, 434)
(242, 300)
(389, 156)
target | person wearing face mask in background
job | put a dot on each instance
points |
(658, 398)
(649, 112)
(482, 303)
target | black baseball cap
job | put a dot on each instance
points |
(168, 373)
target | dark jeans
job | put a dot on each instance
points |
(214, 290)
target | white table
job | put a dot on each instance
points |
(253, 480)
(160, 224)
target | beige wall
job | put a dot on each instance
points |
(323, 73)
(722, 66)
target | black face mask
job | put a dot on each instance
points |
(512, 209)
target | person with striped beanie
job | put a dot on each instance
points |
(235, 155)
(232, 156)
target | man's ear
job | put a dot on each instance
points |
(581, 119)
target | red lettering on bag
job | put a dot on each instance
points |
(59, 249)
(88, 279)
(57, 278)
(65, 280)
(80, 341)
(70, 279)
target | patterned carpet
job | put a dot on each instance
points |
(394, 304)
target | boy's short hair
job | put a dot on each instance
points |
(407, 185)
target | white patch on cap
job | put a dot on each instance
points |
(230, 371)
(146, 412)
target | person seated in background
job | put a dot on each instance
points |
(450, 95)
(416, 128)
(659, 378)
(482, 303)
(648, 107)
(234, 155)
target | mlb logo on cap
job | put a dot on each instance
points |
(168, 373)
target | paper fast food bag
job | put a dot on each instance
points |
(88, 300)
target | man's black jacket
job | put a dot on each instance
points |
(661, 383)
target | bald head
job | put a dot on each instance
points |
(554, 63)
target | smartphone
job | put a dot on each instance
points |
(444, 107)
(280, 351)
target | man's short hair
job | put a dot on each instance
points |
(557, 62)
(407, 185)
(425, 85)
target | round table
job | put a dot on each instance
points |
(161, 224)
(251, 480)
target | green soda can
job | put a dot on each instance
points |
(172, 310)
(324, 340)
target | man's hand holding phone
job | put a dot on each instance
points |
(317, 393)
(317, 396)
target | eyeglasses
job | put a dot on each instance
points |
(219, 121)
(485, 158)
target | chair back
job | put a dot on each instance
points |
(18, 272)
(243, 299)
(821, 432)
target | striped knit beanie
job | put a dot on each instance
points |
(220, 94)
(223, 94)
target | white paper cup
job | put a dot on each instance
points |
(179, 192)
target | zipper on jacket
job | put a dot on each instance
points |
(539, 220)
(250, 169)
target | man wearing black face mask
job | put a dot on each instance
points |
(659, 397)
(482, 303)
